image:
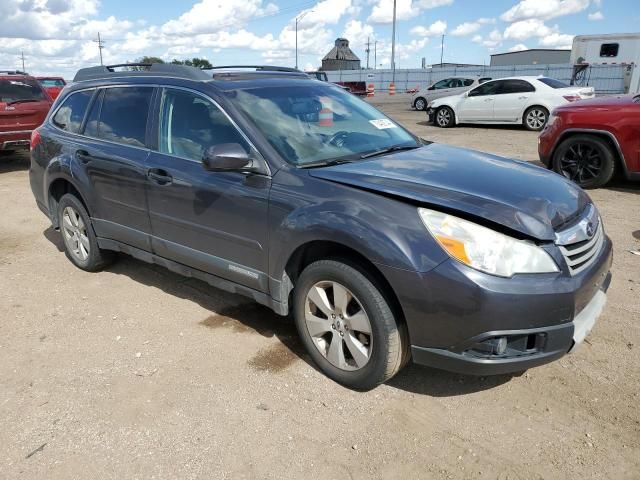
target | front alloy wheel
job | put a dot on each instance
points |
(444, 117)
(338, 325)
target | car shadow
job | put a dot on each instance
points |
(623, 185)
(236, 312)
(13, 162)
(478, 126)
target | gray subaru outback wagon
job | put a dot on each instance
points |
(382, 246)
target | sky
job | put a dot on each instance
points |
(57, 36)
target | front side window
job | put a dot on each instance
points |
(123, 116)
(468, 82)
(318, 123)
(609, 49)
(21, 90)
(190, 124)
(69, 116)
(489, 88)
(442, 84)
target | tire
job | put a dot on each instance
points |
(420, 104)
(535, 118)
(386, 345)
(586, 160)
(444, 118)
(78, 237)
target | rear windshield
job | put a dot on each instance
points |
(20, 89)
(553, 83)
(52, 82)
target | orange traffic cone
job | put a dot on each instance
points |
(392, 89)
(325, 117)
(371, 90)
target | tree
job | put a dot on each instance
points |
(194, 62)
(146, 59)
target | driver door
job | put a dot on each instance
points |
(215, 222)
(478, 104)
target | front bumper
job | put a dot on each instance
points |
(454, 313)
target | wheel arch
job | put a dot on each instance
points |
(315, 250)
(57, 188)
(609, 137)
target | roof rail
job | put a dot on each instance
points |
(154, 69)
(13, 72)
(263, 68)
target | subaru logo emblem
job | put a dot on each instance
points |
(590, 230)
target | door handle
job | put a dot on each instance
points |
(488, 99)
(160, 176)
(524, 97)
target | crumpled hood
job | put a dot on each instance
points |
(514, 194)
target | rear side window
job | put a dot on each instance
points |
(21, 90)
(516, 86)
(69, 116)
(609, 49)
(52, 82)
(122, 117)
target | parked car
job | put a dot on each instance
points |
(515, 100)
(52, 85)
(382, 245)
(449, 86)
(588, 141)
(356, 87)
(23, 106)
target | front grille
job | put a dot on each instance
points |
(581, 255)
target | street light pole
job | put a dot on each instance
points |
(393, 44)
(298, 18)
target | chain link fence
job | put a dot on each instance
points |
(606, 79)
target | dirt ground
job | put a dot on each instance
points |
(136, 372)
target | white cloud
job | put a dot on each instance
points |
(526, 29)
(466, 28)
(325, 12)
(435, 29)
(518, 48)
(357, 32)
(491, 41)
(543, 9)
(594, 17)
(556, 40)
(382, 11)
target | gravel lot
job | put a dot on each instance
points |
(136, 372)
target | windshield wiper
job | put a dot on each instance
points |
(326, 163)
(395, 148)
(24, 100)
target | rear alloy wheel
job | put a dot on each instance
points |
(80, 242)
(585, 160)
(347, 326)
(445, 117)
(420, 104)
(535, 118)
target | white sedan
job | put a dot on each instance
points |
(515, 100)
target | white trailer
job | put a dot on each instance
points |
(610, 49)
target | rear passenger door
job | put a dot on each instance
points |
(511, 100)
(215, 222)
(114, 161)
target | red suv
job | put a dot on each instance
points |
(587, 141)
(23, 107)
(53, 85)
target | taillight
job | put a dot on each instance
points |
(571, 98)
(35, 139)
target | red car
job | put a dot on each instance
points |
(52, 85)
(23, 107)
(588, 141)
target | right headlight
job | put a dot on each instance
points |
(485, 249)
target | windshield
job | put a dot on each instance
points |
(319, 123)
(553, 83)
(20, 89)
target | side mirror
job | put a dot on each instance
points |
(227, 157)
(431, 88)
(466, 94)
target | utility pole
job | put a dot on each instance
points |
(298, 18)
(22, 56)
(368, 50)
(441, 49)
(393, 45)
(100, 43)
(375, 54)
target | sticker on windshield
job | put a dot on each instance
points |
(382, 123)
